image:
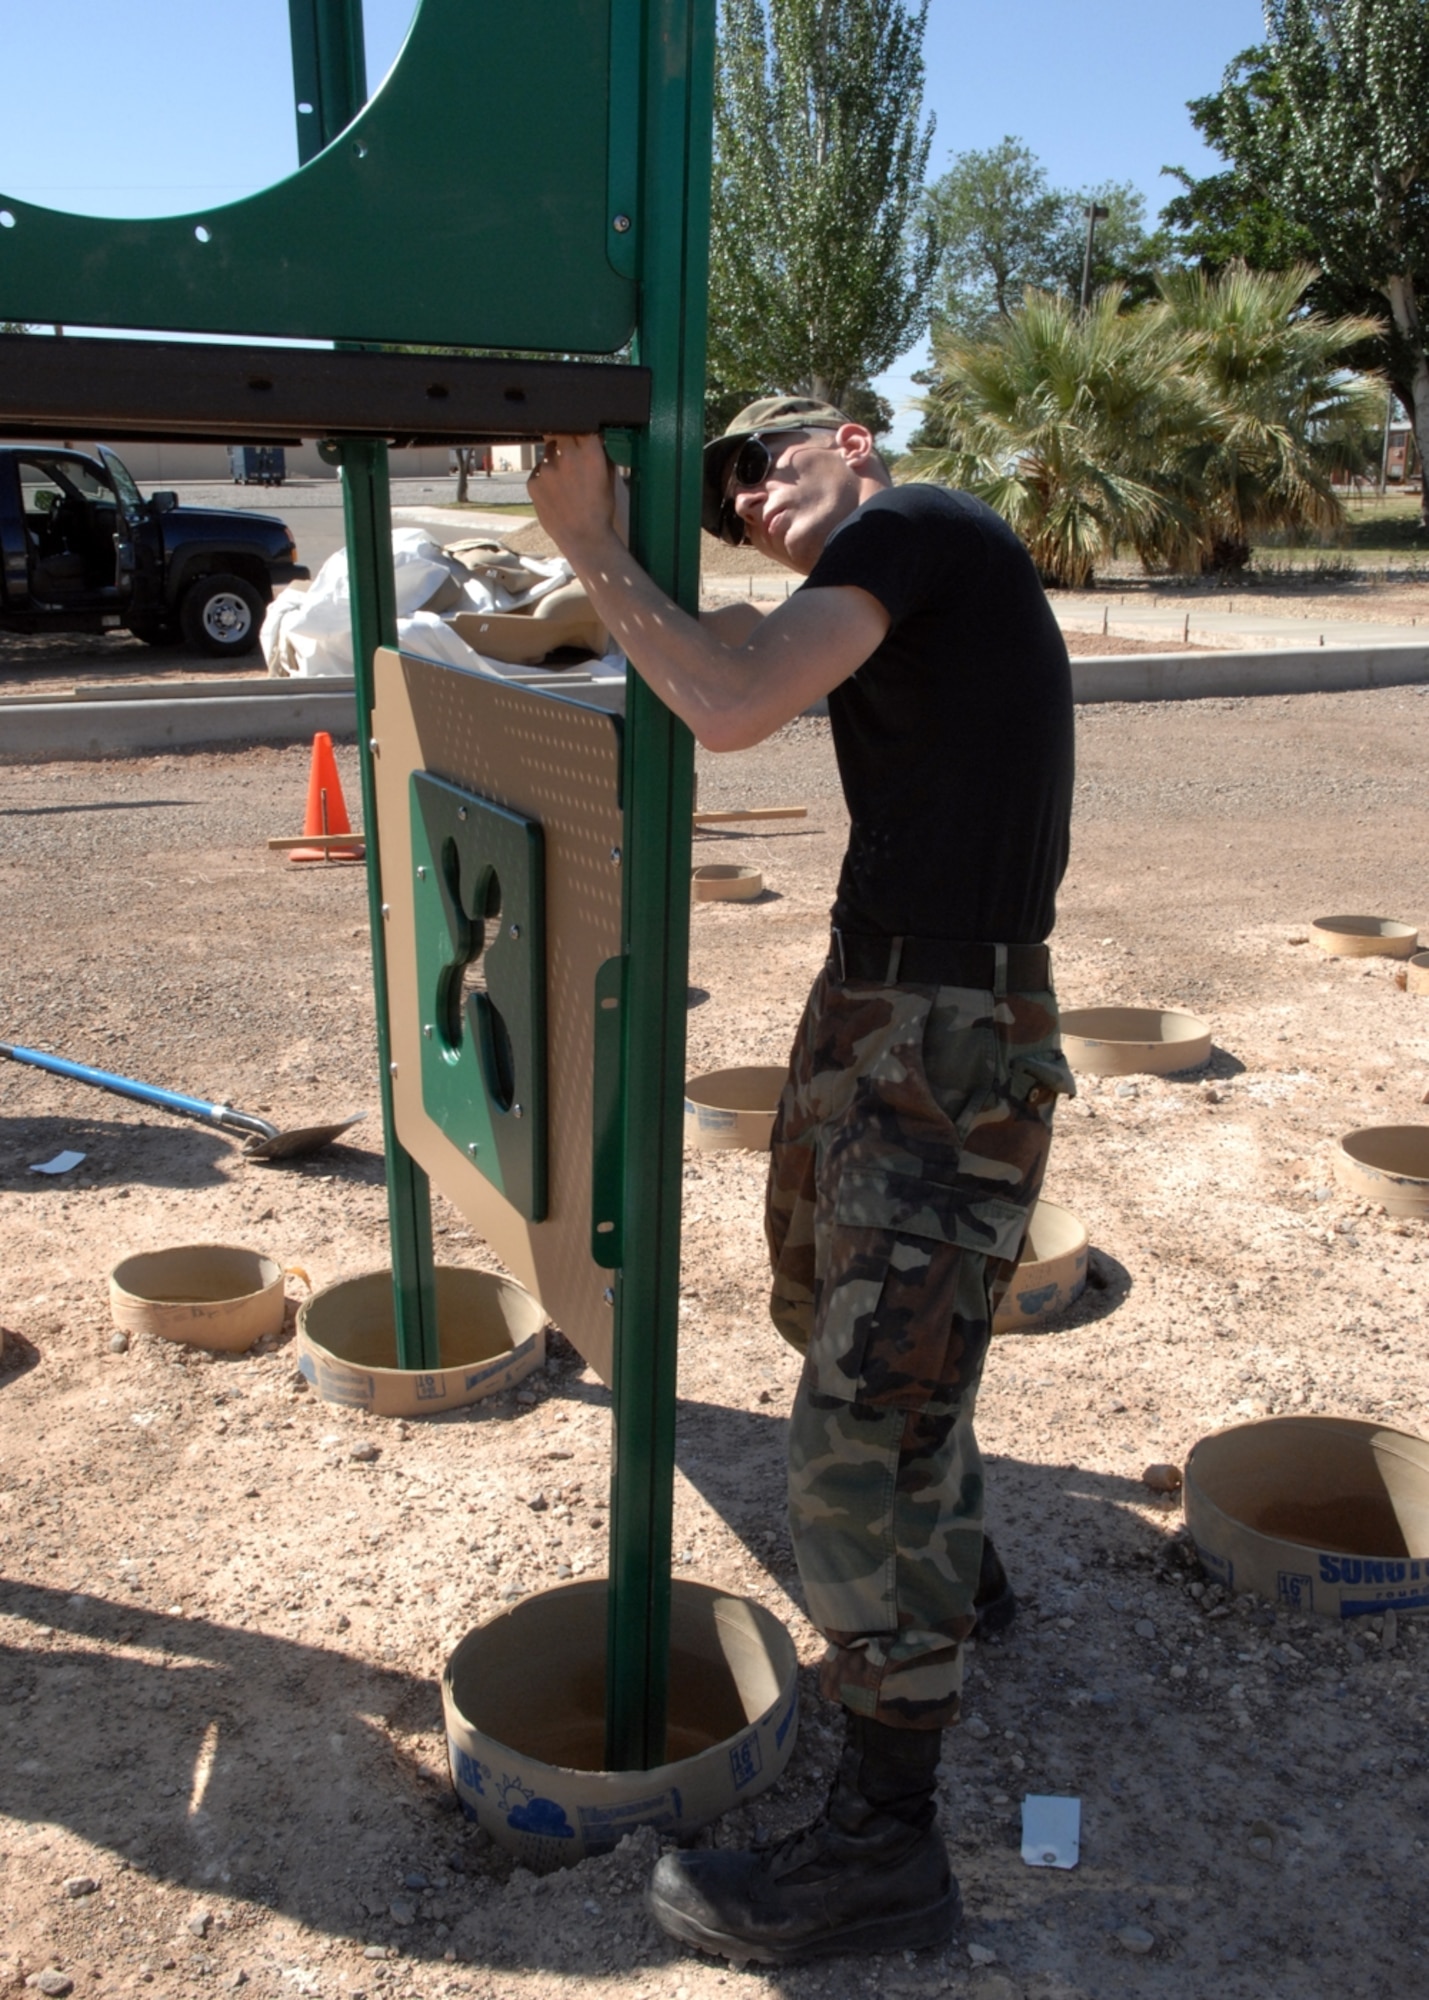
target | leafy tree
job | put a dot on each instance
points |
(819, 261)
(1222, 217)
(1001, 227)
(1326, 126)
(997, 220)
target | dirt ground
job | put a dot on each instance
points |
(222, 1617)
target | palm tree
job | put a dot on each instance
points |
(1288, 413)
(1187, 428)
(1063, 421)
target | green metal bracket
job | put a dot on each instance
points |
(478, 895)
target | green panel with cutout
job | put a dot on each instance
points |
(479, 894)
(472, 201)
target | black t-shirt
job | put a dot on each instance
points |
(954, 739)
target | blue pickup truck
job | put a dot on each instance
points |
(82, 550)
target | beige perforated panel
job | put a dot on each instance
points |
(558, 763)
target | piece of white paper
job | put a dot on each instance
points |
(1051, 1831)
(60, 1164)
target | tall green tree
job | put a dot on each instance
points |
(1326, 125)
(819, 255)
(997, 219)
(1002, 226)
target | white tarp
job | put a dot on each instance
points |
(308, 633)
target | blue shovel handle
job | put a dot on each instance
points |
(146, 1093)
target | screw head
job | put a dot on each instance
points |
(421, 874)
(615, 855)
(427, 1029)
(516, 1111)
(609, 1295)
(620, 224)
(473, 1148)
(372, 744)
(515, 931)
(386, 909)
(461, 812)
(391, 1069)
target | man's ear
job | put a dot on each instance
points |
(855, 441)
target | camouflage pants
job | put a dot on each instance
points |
(909, 1147)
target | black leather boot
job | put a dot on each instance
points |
(994, 1603)
(870, 1875)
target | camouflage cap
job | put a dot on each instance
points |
(770, 413)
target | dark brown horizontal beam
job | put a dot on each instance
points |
(141, 389)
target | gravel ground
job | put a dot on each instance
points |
(222, 1616)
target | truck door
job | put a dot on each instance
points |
(133, 546)
(14, 548)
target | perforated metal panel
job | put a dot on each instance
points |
(556, 763)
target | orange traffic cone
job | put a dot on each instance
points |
(326, 813)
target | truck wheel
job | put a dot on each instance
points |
(222, 614)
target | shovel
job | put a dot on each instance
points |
(265, 1141)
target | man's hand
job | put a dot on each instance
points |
(733, 681)
(573, 492)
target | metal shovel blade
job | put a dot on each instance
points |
(307, 1139)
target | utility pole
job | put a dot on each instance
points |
(1094, 213)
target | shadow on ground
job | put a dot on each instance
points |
(224, 1760)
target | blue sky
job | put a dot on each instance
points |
(182, 104)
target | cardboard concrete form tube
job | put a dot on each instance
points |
(211, 1295)
(1051, 1272)
(1328, 1515)
(1388, 1164)
(491, 1333)
(524, 1701)
(726, 882)
(1133, 1041)
(733, 1109)
(1364, 937)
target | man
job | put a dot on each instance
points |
(912, 1134)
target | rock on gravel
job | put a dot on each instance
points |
(1136, 1939)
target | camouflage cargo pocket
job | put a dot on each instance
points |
(904, 1313)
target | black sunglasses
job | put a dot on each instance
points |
(754, 458)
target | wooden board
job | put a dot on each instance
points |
(559, 763)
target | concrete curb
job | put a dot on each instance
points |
(185, 715)
(56, 731)
(1194, 676)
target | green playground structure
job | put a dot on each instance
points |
(566, 229)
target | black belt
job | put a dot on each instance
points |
(911, 961)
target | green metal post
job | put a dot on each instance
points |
(330, 75)
(673, 222)
(367, 508)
